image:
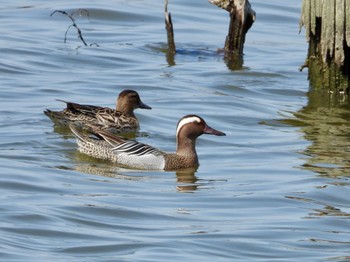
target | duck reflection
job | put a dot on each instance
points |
(186, 179)
(92, 166)
(325, 122)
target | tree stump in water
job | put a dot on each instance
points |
(242, 18)
(327, 25)
(170, 35)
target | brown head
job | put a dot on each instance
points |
(188, 129)
(128, 101)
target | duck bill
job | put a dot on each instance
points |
(211, 131)
(144, 106)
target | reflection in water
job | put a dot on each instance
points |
(63, 130)
(324, 210)
(325, 121)
(105, 171)
(193, 52)
(187, 181)
(89, 165)
(92, 166)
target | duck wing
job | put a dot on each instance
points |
(129, 153)
(129, 147)
(83, 109)
(108, 116)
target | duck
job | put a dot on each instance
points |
(135, 155)
(116, 121)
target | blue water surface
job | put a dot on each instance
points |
(274, 189)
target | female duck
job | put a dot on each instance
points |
(137, 155)
(119, 120)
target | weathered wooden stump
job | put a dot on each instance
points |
(327, 25)
(169, 29)
(242, 17)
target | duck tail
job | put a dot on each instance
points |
(53, 115)
(70, 105)
(56, 117)
(48, 112)
(110, 138)
(84, 133)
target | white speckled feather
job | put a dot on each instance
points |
(148, 161)
(133, 154)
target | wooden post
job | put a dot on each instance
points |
(327, 25)
(170, 35)
(242, 17)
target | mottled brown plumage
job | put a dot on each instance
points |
(130, 153)
(119, 120)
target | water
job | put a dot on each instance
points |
(274, 189)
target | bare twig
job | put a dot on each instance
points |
(70, 16)
(305, 65)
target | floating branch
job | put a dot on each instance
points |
(70, 16)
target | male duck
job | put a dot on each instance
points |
(120, 120)
(133, 154)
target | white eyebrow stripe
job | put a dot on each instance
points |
(186, 121)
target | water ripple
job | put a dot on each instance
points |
(273, 189)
